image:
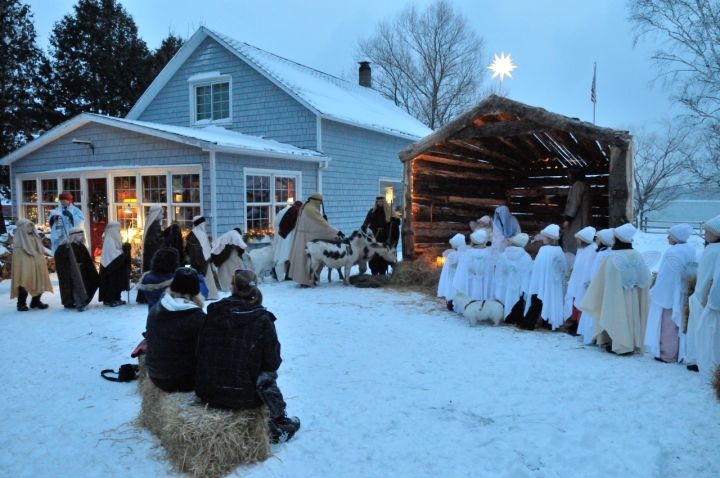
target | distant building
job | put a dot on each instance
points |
(226, 130)
(691, 207)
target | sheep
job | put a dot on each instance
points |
(478, 311)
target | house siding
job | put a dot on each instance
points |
(259, 107)
(359, 158)
(114, 148)
(231, 185)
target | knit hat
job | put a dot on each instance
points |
(625, 232)
(713, 225)
(164, 261)
(606, 236)
(66, 196)
(244, 279)
(185, 281)
(681, 232)
(520, 240)
(457, 240)
(316, 196)
(551, 232)
(479, 237)
(586, 234)
(197, 220)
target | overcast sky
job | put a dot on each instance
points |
(553, 42)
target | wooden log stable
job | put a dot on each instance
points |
(506, 152)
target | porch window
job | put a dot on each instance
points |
(30, 200)
(49, 196)
(212, 102)
(265, 195)
(125, 196)
(72, 185)
(185, 199)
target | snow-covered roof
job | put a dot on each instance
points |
(211, 138)
(327, 96)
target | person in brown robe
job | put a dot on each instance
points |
(310, 225)
(29, 274)
(577, 214)
(78, 278)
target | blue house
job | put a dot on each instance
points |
(226, 130)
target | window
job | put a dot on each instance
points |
(154, 189)
(72, 185)
(265, 195)
(212, 102)
(392, 190)
(185, 199)
(29, 200)
(125, 189)
(49, 196)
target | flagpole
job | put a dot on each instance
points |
(594, 90)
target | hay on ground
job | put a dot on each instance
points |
(716, 382)
(200, 440)
(416, 276)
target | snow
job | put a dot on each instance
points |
(333, 97)
(386, 384)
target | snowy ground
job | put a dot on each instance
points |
(387, 384)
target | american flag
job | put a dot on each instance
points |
(593, 91)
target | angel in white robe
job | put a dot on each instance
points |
(580, 276)
(476, 268)
(547, 282)
(604, 239)
(445, 288)
(663, 334)
(512, 277)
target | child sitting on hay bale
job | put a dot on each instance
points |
(239, 333)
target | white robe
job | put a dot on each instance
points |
(512, 276)
(586, 327)
(447, 273)
(669, 292)
(580, 277)
(547, 281)
(201, 234)
(703, 325)
(617, 299)
(475, 273)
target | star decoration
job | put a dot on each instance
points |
(502, 66)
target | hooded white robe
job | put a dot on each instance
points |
(475, 273)
(512, 276)
(586, 326)
(617, 299)
(200, 233)
(547, 281)
(579, 278)
(226, 270)
(669, 292)
(708, 342)
(447, 274)
(704, 314)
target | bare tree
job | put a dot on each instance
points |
(428, 63)
(688, 62)
(664, 168)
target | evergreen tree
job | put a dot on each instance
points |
(164, 53)
(100, 64)
(20, 80)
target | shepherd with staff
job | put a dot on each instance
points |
(62, 219)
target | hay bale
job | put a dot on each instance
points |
(200, 440)
(716, 382)
(415, 275)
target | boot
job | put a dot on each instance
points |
(36, 304)
(283, 428)
(22, 300)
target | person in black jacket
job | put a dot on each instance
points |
(238, 356)
(385, 228)
(172, 331)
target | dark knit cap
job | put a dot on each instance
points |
(165, 260)
(185, 281)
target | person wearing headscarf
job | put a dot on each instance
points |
(285, 222)
(547, 281)
(198, 250)
(311, 225)
(173, 238)
(153, 240)
(449, 268)
(703, 330)
(668, 295)
(505, 227)
(578, 212)
(476, 269)
(238, 357)
(379, 221)
(605, 239)
(114, 266)
(579, 277)
(485, 223)
(617, 298)
(512, 278)
(77, 277)
(226, 254)
(29, 275)
(63, 218)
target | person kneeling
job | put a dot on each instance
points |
(238, 357)
(172, 329)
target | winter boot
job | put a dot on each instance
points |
(283, 428)
(36, 304)
(22, 300)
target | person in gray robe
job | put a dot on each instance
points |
(577, 214)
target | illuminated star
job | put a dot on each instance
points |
(502, 66)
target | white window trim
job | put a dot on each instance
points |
(272, 173)
(206, 79)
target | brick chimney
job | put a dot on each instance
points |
(364, 74)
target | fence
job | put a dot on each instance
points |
(661, 227)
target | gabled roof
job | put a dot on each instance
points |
(325, 95)
(210, 138)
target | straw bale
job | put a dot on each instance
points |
(716, 382)
(199, 440)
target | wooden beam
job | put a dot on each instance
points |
(483, 151)
(500, 129)
(470, 163)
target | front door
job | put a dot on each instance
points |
(98, 212)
